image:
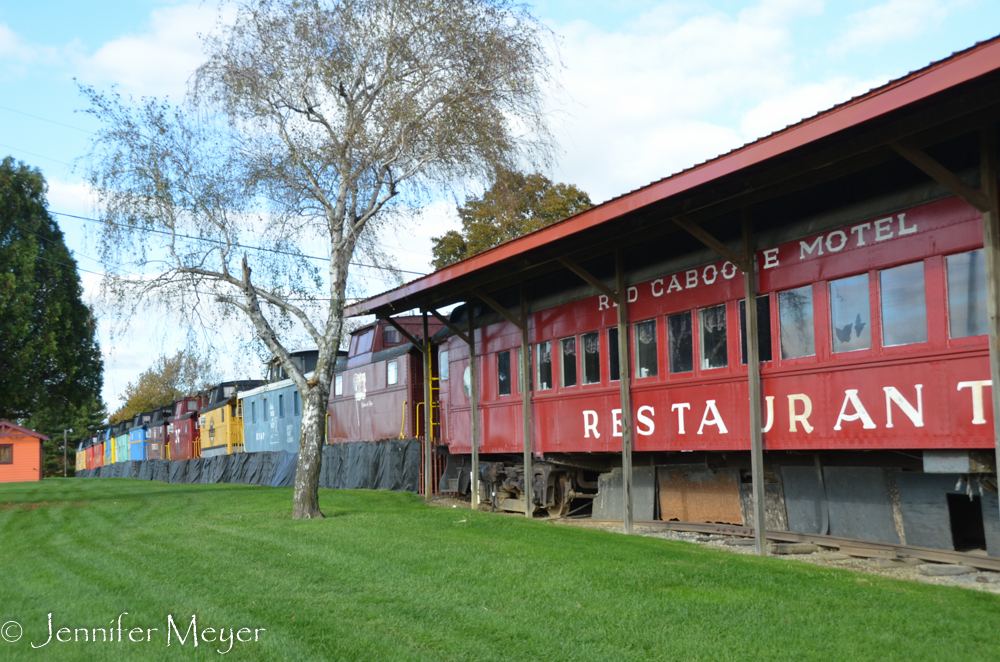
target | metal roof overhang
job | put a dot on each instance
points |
(940, 102)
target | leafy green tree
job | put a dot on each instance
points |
(514, 205)
(169, 379)
(49, 356)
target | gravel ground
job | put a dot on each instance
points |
(980, 580)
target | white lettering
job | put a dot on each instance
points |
(770, 258)
(902, 226)
(794, 417)
(715, 274)
(770, 413)
(716, 419)
(674, 284)
(602, 302)
(977, 399)
(653, 287)
(633, 294)
(616, 422)
(860, 231)
(883, 229)
(645, 420)
(193, 626)
(692, 279)
(729, 270)
(829, 241)
(860, 413)
(679, 407)
(590, 425)
(806, 248)
(915, 415)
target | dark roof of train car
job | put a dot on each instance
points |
(856, 124)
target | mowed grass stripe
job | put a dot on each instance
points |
(386, 578)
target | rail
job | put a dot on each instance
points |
(851, 546)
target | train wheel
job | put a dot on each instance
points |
(560, 497)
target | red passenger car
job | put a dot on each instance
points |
(183, 436)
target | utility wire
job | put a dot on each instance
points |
(222, 243)
(19, 112)
(18, 149)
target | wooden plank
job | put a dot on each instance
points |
(991, 247)
(488, 300)
(704, 237)
(474, 404)
(451, 327)
(419, 344)
(941, 174)
(526, 406)
(754, 386)
(588, 277)
(428, 418)
(624, 382)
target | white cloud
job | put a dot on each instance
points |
(895, 20)
(672, 90)
(16, 55)
(157, 62)
(70, 197)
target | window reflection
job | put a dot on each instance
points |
(568, 360)
(904, 305)
(613, 355)
(544, 366)
(645, 349)
(795, 318)
(679, 337)
(591, 357)
(763, 328)
(714, 353)
(966, 294)
(850, 314)
(503, 373)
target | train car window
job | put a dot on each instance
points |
(591, 357)
(613, 373)
(222, 415)
(795, 321)
(763, 328)
(503, 373)
(904, 305)
(338, 385)
(520, 368)
(645, 349)
(296, 404)
(281, 405)
(966, 294)
(263, 406)
(443, 365)
(544, 366)
(253, 412)
(568, 348)
(365, 341)
(467, 381)
(232, 411)
(714, 349)
(390, 336)
(850, 314)
(192, 405)
(680, 338)
(392, 372)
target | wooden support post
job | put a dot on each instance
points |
(624, 382)
(473, 406)
(428, 418)
(523, 369)
(991, 247)
(754, 386)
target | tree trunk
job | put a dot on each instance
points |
(305, 504)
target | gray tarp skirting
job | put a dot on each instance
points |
(390, 464)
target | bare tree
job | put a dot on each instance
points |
(310, 124)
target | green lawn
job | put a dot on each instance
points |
(386, 578)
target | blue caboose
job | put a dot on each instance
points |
(272, 417)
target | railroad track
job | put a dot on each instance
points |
(851, 546)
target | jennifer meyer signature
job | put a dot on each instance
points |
(117, 631)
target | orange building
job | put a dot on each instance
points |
(20, 453)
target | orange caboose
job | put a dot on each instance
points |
(20, 453)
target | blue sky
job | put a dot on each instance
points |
(648, 88)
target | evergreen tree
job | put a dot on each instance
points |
(49, 356)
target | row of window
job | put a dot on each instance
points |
(903, 307)
(296, 407)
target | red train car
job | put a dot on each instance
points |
(876, 398)
(183, 434)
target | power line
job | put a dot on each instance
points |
(222, 243)
(18, 149)
(20, 112)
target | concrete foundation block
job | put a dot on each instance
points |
(793, 548)
(944, 570)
